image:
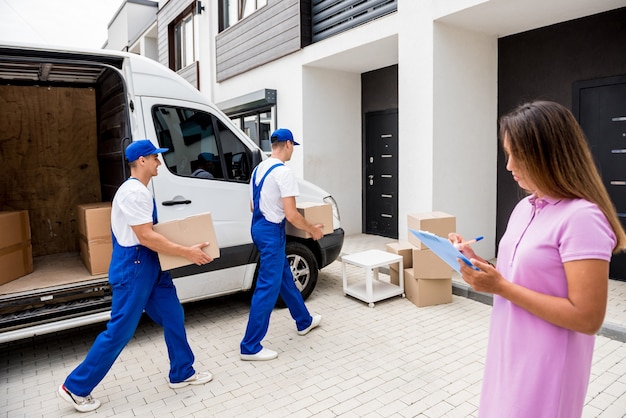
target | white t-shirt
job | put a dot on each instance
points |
(132, 205)
(281, 182)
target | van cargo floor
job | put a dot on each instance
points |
(52, 271)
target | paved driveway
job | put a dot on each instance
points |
(393, 360)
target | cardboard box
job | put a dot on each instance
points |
(188, 231)
(16, 251)
(94, 235)
(426, 292)
(427, 265)
(394, 276)
(438, 223)
(405, 249)
(315, 213)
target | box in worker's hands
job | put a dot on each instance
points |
(188, 231)
(315, 213)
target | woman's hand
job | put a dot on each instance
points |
(465, 249)
(487, 280)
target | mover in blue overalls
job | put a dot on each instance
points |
(273, 190)
(138, 284)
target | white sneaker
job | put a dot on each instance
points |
(263, 355)
(200, 378)
(314, 323)
(80, 403)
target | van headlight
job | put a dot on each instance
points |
(329, 200)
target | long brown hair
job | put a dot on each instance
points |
(545, 138)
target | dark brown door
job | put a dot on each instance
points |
(600, 106)
(381, 174)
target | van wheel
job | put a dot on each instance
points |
(303, 266)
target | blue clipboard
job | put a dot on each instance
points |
(443, 248)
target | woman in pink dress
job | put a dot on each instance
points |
(551, 280)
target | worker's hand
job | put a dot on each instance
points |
(197, 256)
(317, 232)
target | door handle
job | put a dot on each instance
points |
(175, 202)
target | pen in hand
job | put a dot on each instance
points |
(472, 241)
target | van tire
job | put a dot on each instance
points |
(303, 266)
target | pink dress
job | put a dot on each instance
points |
(533, 368)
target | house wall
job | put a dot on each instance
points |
(415, 110)
(332, 124)
(447, 122)
(465, 132)
(289, 106)
(270, 33)
(165, 16)
(130, 20)
(544, 63)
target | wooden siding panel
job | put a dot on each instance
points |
(270, 33)
(260, 59)
(170, 11)
(254, 45)
(190, 73)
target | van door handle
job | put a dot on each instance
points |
(176, 202)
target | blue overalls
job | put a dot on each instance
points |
(138, 284)
(274, 276)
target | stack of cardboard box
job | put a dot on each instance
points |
(428, 279)
(16, 251)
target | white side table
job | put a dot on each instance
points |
(372, 290)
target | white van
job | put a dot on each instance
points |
(67, 117)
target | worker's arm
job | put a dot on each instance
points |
(296, 219)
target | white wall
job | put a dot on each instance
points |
(118, 31)
(465, 131)
(206, 28)
(332, 130)
(415, 110)
(128, 23)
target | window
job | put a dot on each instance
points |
(232, 11)
(181, 41)
(258, 126)
(200, 145)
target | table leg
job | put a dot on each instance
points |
(369, 291)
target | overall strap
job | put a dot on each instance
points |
(256, 190)
(155, 218)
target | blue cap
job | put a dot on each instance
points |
(281, 135)
(142, 148)
(206, 157)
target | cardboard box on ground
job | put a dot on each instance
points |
(16, 253)
(427, 279)
(426, 292)
(94, 236)
(405, 249)
(188, 231)
(315, 213)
